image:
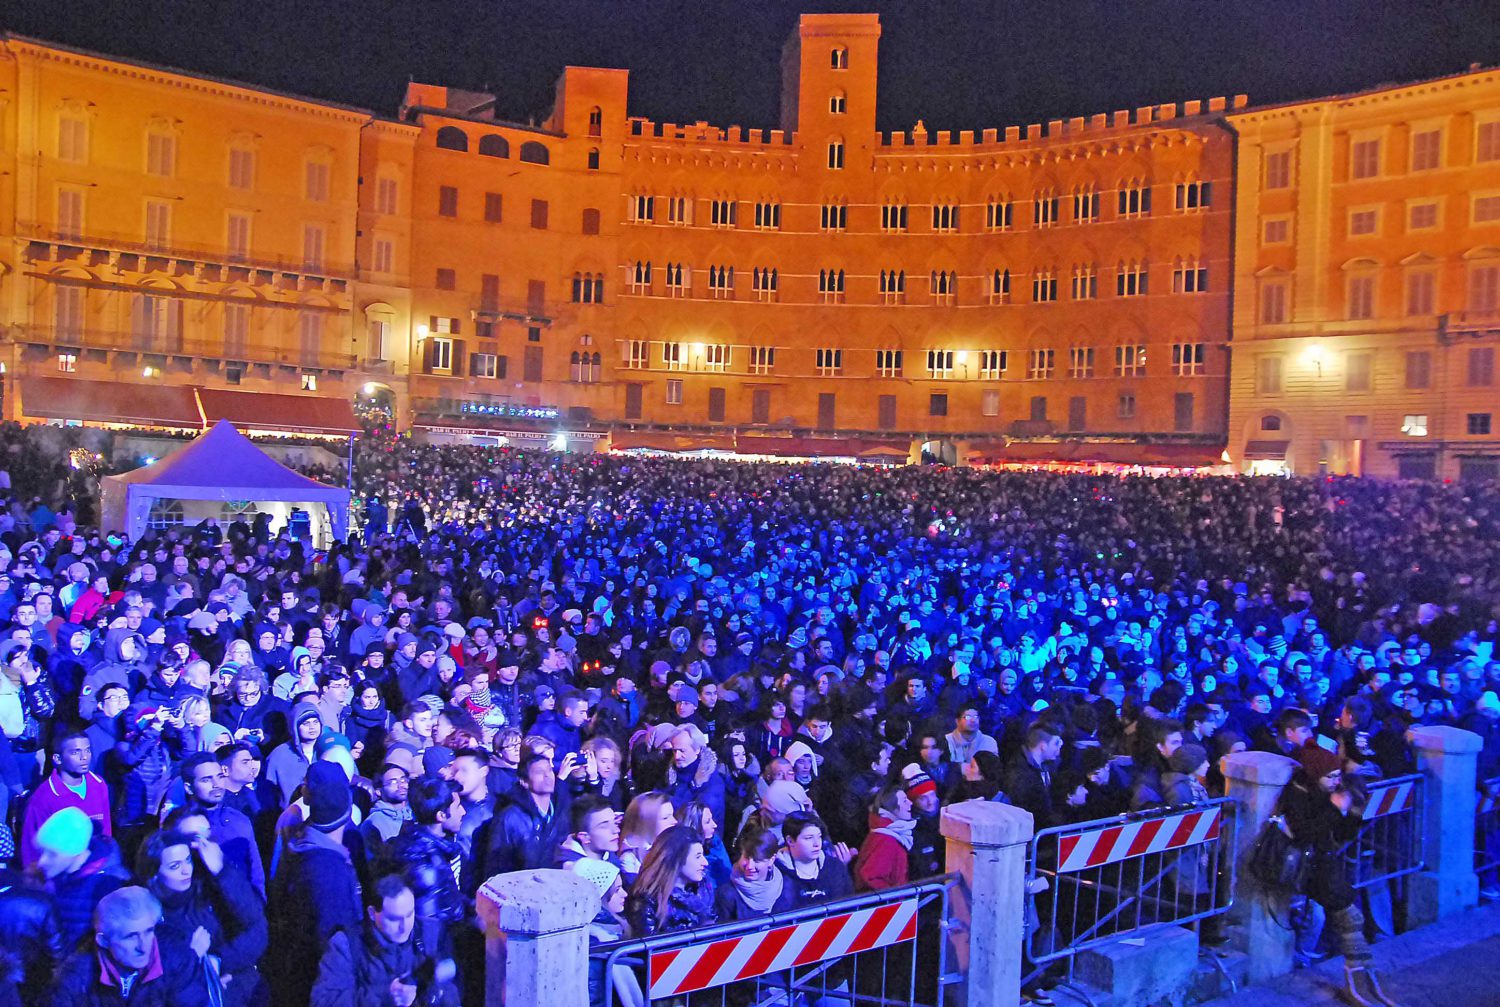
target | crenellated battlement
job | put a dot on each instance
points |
(706, 135)
(702, 133)
(1075, 128)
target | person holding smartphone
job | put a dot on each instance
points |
(386, 960)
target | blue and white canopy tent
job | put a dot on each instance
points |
(221, 474)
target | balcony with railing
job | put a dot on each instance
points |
(46, 242)
(124, 343)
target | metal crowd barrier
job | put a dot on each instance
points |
(1487, 833)
(1389, 843)
(1100, 881)
(884, 949)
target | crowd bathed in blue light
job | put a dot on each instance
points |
(713, 689)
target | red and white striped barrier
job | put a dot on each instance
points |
(1133, 839)
(1389, 800)
(717, 963)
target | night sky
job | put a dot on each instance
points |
(958, 64)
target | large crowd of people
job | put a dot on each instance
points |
(713, 690)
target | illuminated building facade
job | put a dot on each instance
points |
(1367, 279)
(174, 232)
(165, 233)
(174, 248)
(698, 284)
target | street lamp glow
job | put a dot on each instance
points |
(1314, 355)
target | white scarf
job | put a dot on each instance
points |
(759, 895)
(901, 832)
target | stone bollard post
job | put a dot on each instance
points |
(1448, 761)
(1254, 781)
(536, 937)
(987, 848)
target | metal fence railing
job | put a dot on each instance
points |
(1100, 881)
(1487, 833)
(884, 949)
(1389, 843)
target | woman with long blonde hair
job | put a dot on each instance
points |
(647, 817)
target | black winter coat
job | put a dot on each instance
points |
(427, 864)
(520, 839)
(228, 908)
(29, 933)
(314, 894)
(357, 971)
(687, 908)
(833, 882)
(1314, 821)
(78, 985)
(1030, 789)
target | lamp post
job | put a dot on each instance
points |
(1315, 355)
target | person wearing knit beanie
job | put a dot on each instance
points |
(784, 797)
(1318, 762)
(923, 792)
(1188, 759)
(62, 840)
(599, 873)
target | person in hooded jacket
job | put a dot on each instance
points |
(370, 631)
(147, 767)
(121, 666)
(286, 766)
(70, 663)
(213, 929)
(315, 891)
(883, 858)
(812, 873)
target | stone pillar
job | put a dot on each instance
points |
(536, 937)
(1254, 781)
(987, 848)
(1447, 758)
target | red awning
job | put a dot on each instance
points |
(1098, 453)
(142, 404)
(279, 411)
